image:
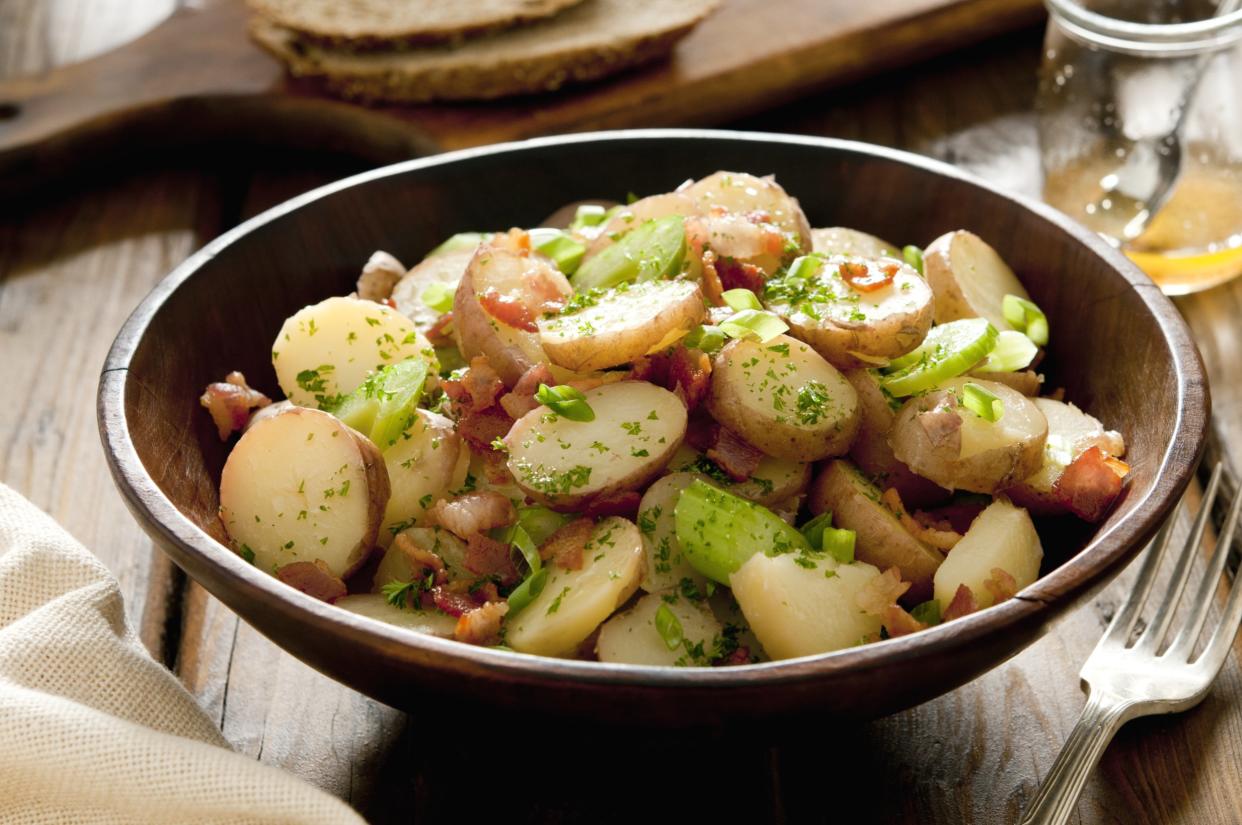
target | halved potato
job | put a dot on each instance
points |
(1071, 432)
(783, 398)
(1003, 537)
(666, 566)
(428, 461)
(942, 440)
(446, 269)
(622, 325)
(632, 638)
(871, 450)
(853, 328)
(506, 275)
(969, 278)
(774, 481)
(880, 539)
(797, 609)
(840, 240)
(565, 464)
(302, 486)
(575, 602)
(375, 606)
(634, 214)
(744, 194)
(328, 349)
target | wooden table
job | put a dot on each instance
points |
(74, 263)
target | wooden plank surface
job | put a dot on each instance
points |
(72, 267)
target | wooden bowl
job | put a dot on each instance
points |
(1118, 347)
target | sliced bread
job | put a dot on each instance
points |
(586, 42)
(380, 24)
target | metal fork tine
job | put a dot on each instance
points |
(1123, 620)
(1150, 641)
(1219, 645)
(1184, 643)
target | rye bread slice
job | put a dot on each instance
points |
(589, 41)
(359, 25)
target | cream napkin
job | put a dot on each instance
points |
(92, 730)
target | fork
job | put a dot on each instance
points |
(1128, 678)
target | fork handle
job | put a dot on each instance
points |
(1057, 798)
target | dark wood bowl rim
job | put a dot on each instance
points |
(1102, 554)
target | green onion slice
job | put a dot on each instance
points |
(740, 299)
(1024, 316)
(517, 536)
(754, 323)
(948, 351)
(526, 592)
(384, 407)
(709, 339)
(928, 612)
(805, 267)
(913, 256)
(719, 531)
(814, 529)
(438, 296)
(982, 402)
(564, 250)
(589, 214)
(652, 250)
(565, 401)
(1014, 351)
(839, 543)
(669, 627)
(460, 242)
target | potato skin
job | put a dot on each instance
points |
(881, 540)
(740, 193)
(977, 289)
(841, 240)
(744, 398)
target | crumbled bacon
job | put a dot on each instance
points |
(623, 504)
(1001, 585)
(881, 591)
(508, 310)
(522, 398)
(565, 547)
(230, 402)
(496, 467)
(379, 275)
(867, 277)
(1090, 484)
(420, 558)
(441, 332)
(488, 557)
(712, 289)
(473, 513)
(963, 604)
(477, 389)
(480, 429)
(481, 626)
(933, 533)
(739, 656)
(314, 579)
(737, 275)
(452, 598)
(898, 622)
(734, 455)
(685, 372)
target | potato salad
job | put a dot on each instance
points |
(690, 430)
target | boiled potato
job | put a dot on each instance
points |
(968, 278)
(564, 464)
(880, 539)
(375, 606)
(328, 349)
(798, 610)
(942, 440)
(743, 194)
(622, 325)
(850, 327)
(783, 398)
(302, 486)
(634, 214)
(871, 451)
(631, 637)
(1003, 537)
(427, 462)
(446, 269)
(505, 274)
(1071, 432)
(575, 602)
(774, 481)
(666, 567)
(839, 240)
(395, 565)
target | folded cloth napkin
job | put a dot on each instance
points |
(92, 730)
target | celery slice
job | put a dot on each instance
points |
(949, 350)
(1014, 351)
(654, 249)
(564, 250)
(719, 531)
(385, 406)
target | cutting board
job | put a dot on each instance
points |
(197, 79)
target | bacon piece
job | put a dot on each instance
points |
(482, 428)
(1090, 484)
(685, 372)
(522, 398)
(314, 579)
(898, 622)
(624, 503)
(710, 280)
(230, 402)
(937, 536)
(488, 557)
(421, 558)
(734, 455)
(565, 547)
(1001, 585)
(962, 604)
(477, 389)
(508, 310)
(867, 277)
(379, 275)
(452, 598)
(879, 593)
(473, 513)
(481, 626)
(441, 332)
(737, 275)
(739, 656)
